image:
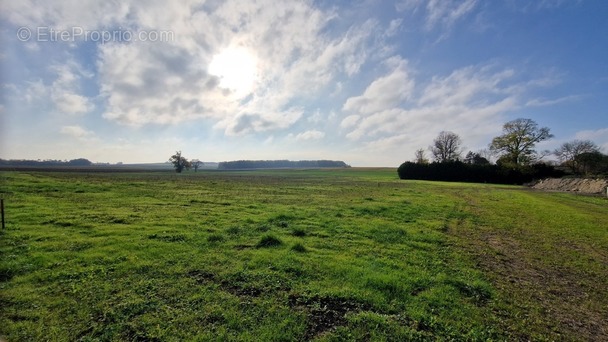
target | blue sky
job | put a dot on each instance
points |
(367, 82)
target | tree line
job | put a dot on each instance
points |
(181, 163)
(280, 164)
(517, 160)
(45, 163)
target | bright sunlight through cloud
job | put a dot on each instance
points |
(237, 69)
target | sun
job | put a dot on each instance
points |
(236, 68)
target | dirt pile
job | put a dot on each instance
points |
(582, 185)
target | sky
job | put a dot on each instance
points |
(368, 82)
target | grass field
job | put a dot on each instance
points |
(352, 254)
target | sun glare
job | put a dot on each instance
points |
(236, 67)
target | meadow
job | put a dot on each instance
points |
(290, 255)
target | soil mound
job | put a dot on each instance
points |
(581, 185)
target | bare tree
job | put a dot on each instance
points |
(516, 145)
(569, 153)
(420, 157)
(487, 154)
(447, 147)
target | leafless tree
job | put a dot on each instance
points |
(568, 154)
(420, 157)
(447, 147)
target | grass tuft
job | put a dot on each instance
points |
(234, 230)
(298, 232)
(269, 241)
(213, 238)
(298, 247)
(263, 228)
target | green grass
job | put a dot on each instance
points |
(331, 255)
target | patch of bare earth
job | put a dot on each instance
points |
(555, 301)
(578, 185)
(324, 313)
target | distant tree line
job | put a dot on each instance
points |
(517, 161)
(45, 163)
(280, 164)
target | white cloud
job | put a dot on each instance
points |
(315, 117)
(599, 136)
(64, 15)
(66, 87)
(541, 102)
(469, 100)
(34, 91)
(385, 92)
(72, 103)
(464, 84)
(439, 13)
(541, 5)
(310, 135)
(408, 5)
(393, 27)
(63, 92)
(350, 121)
(78, 132)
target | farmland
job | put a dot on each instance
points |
(345, 254)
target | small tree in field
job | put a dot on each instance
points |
(179, 162)
(196, 164)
